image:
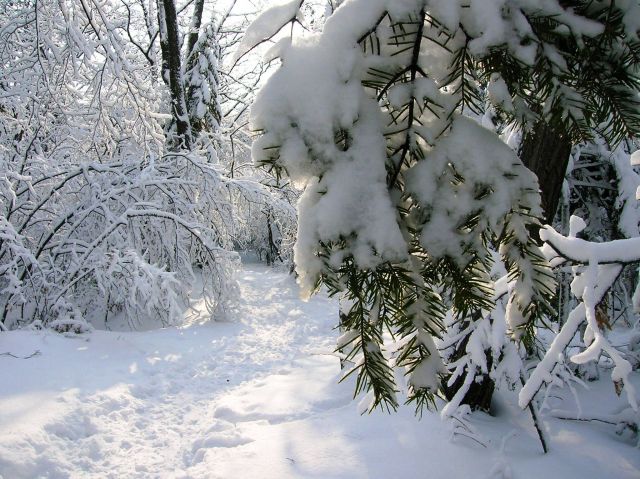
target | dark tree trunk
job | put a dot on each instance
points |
(481, 389)
(172, 71)
(479, 395)
(196, 21)
(546, 153)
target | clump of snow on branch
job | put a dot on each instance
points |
(267, 25)
(468, 150)
(345, 188)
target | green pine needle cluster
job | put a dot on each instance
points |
(580, 85)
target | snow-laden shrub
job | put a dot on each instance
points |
(597, 265)
(265, 218)
(97, 214)
(121, 235)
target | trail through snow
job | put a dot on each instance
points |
(253, 398)
(152, 404)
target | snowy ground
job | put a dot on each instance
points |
(254, 398)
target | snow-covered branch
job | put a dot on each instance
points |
(601, 264)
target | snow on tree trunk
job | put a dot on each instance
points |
(172, 72)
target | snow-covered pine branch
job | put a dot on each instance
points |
(367, 116)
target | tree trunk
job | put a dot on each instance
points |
(480, 392)
(172, 71)
(194, 30)
(546, 153)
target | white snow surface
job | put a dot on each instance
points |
(256, 398)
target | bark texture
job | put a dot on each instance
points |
(546, 153)
(172, 71)
(196, 22)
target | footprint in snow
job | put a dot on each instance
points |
(221, 435)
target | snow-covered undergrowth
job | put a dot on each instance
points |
(259, 398)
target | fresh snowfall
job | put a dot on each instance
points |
(257, 397)
(272, 239)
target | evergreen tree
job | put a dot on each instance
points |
(586, 85)
(406, 198)
(202, 81)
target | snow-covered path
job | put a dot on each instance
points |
(152, 404)
(254, 398)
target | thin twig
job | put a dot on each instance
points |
(536, 421)
(35, 353)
